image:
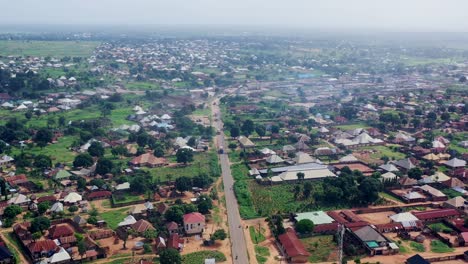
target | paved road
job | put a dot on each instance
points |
(239, 247)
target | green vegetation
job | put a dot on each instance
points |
(58, 152)
(417, 246)
(352, 126)
(122, 198)
(200, 256)
(239, 171)
(384, 151)
(438, 246)
(440, 227)
(256, 235)
(47, 48)
(320, 247)
(261, 254)
(114, 217)
(451, 193)
(203, 163)
(13, 240)
(390, 197)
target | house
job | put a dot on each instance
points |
(175, 242)
(318, 217)
(129, 220)
(62, 256)
(405, 164)
(6, 160)
(293, 249)
(291, 175)
(148, 160)
(60, 230)
(435, 194)
(455, 163)
(194, 223)
(463, 239)
(42, 248)
(274, 159)
(79, 220)
(436, 215)
(61, 174)
(172, 227)
(141, 226)
(98, 195)
(72, 198)
(458, 203)
(388, 167)
(245, 142)
(416, 259)
(302, 158)
(403, 217)
(20, 199)
(6, 257)
(374, 242)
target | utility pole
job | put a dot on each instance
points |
(341, 231)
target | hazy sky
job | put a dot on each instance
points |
(398, 15)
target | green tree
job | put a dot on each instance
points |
(42, 161)
(42, 207)
(261, 131)
(43, 136)
(184, 155)
(158, 151)
(81, 248)
(415, 173)
(235, 132)
(248, 127)
(183, 184)
(204, 204)
(170, 256)
(305, 226)
(96, 149)
(39, 224)
(369, 190)
(72, 209)
(12, 211)
(174, 213)
(104, 166)
(150, 234)
(219, 234)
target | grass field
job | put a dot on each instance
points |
(48, 48)
(126, 197)
(438, 246)
(417, 247)
(261, 254)
(114, 217)
(390, 197)
(257, 237)
(320, 247)
(203, 163)
(200, 256)
(58, 152)
(381, 151)
(352, 126)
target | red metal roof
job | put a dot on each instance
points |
(337, 217)
(194, 218)
(42, 246)
(61, 230)
(291, 244)
(439, 213)
(99, 194)
(173, 241)
(464, 236)
(326, 227)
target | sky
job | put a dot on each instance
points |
(391, 15)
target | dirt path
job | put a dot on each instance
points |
(3, 234)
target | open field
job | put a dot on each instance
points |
(48, 48)
(377, 218)
(114, 217)
(320, 248)
(203, 163)
(200, 256)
